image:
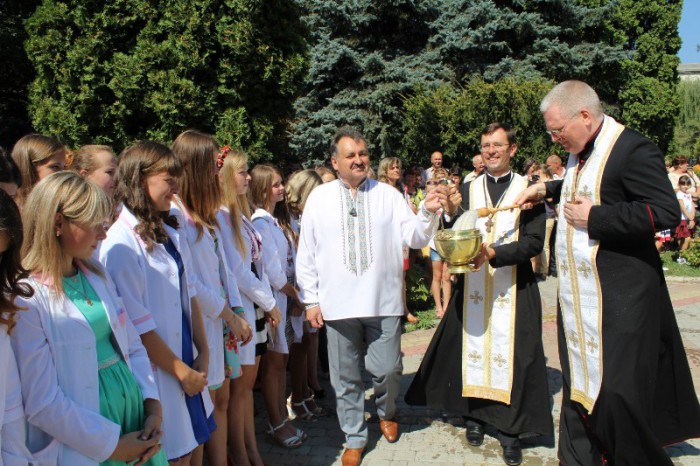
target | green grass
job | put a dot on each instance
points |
(675, 269)
(426, 320)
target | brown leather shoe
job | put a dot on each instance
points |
(352, 456)
(390, 429)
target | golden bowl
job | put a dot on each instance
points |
(458, 248)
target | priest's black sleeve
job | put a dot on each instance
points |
(553, 190)
(648, 202)
(530, 239)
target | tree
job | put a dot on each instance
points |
(112, 72)
(17, 71)
(453, 119)
(688, 127)
(648, 95)
(367, 57)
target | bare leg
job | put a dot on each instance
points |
(197, 458)
(273, 390)
(215, 448)
(184, 461)
(241, 433)
(435, 287)
(446, 287)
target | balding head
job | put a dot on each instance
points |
(436, 159)
(478, 164)
(554, 164)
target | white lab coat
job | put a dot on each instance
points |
(149, 285)
(253, 290)
(56, 354)
(13, 436)
(211, 272)
(274, 256)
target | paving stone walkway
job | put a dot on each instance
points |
(432, 438)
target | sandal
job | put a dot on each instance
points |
(293, 441)
(302, 412)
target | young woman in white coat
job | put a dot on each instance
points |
(242, 246)
(13, 451)
(303, 354)
(86, 379)
(197, 204)
(150, 262)
(265, 193)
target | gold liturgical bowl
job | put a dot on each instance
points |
(458, 248)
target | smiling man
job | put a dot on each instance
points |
(494, 321)
(626, 383)
(350, 272)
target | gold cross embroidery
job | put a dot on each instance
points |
(566, 194)
(500, 360)
(563, 268)
(502, 299)
(474, 357)
(476, 297)
(585, 192)
(573, 339)
(592, 345)
(584, 269)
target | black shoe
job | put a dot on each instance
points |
(475, 435)
(512, 455)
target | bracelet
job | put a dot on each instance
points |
(310, 305)
(238, 310)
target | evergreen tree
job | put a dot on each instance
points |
(17, 71)
(367, 57)
(112, 72)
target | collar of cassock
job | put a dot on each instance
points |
(499, 179)
(588, 148)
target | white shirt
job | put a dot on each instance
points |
(13, 450)
(352, 265)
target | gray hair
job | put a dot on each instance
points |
(571, 97)
(345, 132)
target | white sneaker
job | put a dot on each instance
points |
(682, 260)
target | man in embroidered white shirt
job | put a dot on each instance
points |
(349, 269)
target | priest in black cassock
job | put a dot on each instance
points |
(628, 390)
(486, 360)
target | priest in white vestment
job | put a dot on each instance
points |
(350, 270)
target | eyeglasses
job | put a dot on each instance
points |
(432, 183)
(558, 132)
(496, 146)
(683, 183)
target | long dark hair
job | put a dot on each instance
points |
(136, 163)
(11, 270)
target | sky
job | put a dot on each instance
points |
(689, 30)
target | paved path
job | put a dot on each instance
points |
(431, 439)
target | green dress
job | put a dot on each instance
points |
(121, 400)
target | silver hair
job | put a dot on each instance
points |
(571, 97)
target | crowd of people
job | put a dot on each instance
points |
(143, 297)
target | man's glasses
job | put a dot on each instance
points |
(683, 183)
(558, 132)
(496, 146)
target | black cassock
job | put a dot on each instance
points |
(438, 381)
(647, 398)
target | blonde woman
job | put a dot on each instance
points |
(149, 260)
(303, 355)
(217, 292)
(266, 193)
(96, 163)
(242, 246)
(37, 156)
(86, 378)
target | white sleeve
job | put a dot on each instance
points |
(306, 268)
(270, 255)
(416, 229)
(248, 283)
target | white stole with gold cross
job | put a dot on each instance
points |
(580, 294)
(488, 331)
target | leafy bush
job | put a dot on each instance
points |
(692, 254)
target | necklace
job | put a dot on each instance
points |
(489, 221)
(72, 281)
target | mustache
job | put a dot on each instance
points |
(358, 165)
